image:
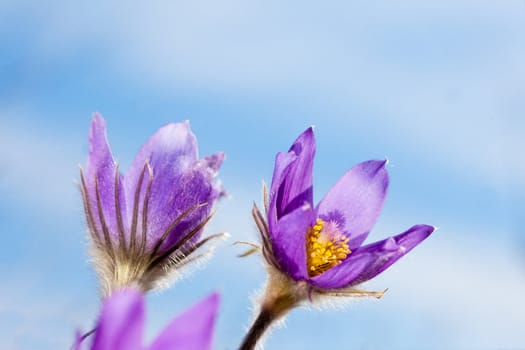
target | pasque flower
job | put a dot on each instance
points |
(145, 225)
(121, 325)
(315, 250)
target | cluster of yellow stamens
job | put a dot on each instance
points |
(326, 247)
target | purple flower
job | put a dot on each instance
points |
(144, 225)
(121, 325)
(323, 245)
(315, 251)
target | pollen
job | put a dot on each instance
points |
(326, 247)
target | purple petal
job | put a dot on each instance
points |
(289, 241)
(193, 189)
(280, 173)
(102, 168)
(192, 330)
(214, 162)
(210, 166)
(356, 200)
(293, 189)
(298, 188)
(370, 260)
(179, 183)
(121, 322)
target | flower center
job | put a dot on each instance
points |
(326, 247)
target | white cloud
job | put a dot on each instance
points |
(456, 88)
(474, 287)
(35, 314)
(39, 166)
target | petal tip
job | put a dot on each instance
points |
(98, 123)
(373, 166)
(309, 131)
(376, 168)
(383, 162)
(98, 117)
(185, 125)
(97, 139)
(306, 140)
(428, 229)
(416, 234)
(215, 160)
(176, 134)
(211, 302)
(215, 297)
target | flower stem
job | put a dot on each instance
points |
(281, 295)
(261, 324)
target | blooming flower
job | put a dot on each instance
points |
(144, 225)
(313, 251)
(121, 325)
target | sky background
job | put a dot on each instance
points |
(438, 87)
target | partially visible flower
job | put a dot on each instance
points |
(313, 251)
(121, 325)
(144, 225)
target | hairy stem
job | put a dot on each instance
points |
(259, 327)
(281, 295)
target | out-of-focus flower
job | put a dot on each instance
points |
(313, 251)
(145, 225)
(121, 325)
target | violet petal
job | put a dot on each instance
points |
(297, 187)
(292, 179)
(209, 166)
(101, 168)
(179, 182)
(192, 330)
(289, 241)
(370, 260)
(121, 322)
(281, 170)
(356, 200)
(214, 162)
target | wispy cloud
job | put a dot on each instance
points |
(37, 165)
(447, 75)
(35, 314)
(472, 287)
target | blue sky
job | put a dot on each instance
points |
(437, 87)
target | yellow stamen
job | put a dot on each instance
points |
(326, 247)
